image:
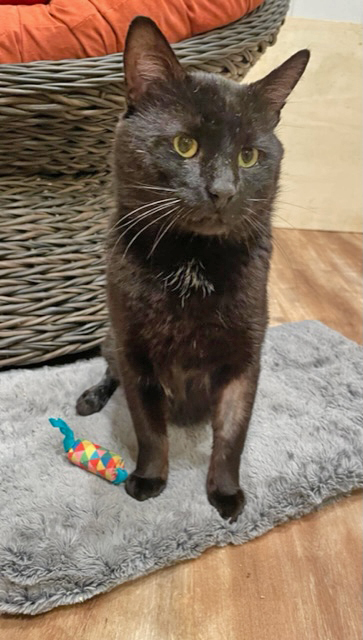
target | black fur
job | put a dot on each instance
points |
(187, 277)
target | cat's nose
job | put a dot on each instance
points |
(221, 194)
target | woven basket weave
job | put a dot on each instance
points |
(57, 122)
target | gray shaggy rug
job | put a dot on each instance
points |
(66, 535)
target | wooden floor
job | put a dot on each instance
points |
(301, 581)
(317, 275)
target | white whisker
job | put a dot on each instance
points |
(144, 229)
(147, 204)
(145, 214)
(147, 186)
(164, 231)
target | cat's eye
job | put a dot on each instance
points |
(186, 147)
(247, 157)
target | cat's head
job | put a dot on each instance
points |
(199, 146)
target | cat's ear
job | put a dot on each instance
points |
(277, 86)
(148, 59)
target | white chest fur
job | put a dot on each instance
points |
(189, 278)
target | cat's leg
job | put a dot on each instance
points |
(232, 408)
(146, 402)
(95, 398)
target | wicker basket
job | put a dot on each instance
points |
(57, 122)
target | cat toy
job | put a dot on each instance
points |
(90, 456)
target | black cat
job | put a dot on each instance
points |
(196, 171)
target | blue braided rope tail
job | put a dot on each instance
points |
(69, 439)
(121, 475)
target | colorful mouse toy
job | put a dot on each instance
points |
(90, 456)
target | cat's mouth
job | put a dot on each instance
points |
(210, 229)
(207, 226)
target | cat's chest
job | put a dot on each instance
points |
(187, 280)
(184, 318)
(190, 324)
(187, 342)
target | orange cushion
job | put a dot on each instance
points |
(88, 28)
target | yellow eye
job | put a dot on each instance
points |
(185, 146)
(247, 157)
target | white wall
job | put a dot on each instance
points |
(343, 10)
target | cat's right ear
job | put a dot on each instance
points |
(277, 86)
(148, 59)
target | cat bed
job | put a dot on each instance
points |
(57, 121)
(88, 28)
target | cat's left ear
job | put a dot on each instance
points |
(277, 86)
(148, 59)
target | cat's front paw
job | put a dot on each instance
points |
(144, 488)
(91, 401)
(229, 506)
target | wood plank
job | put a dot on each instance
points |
(317, 275)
